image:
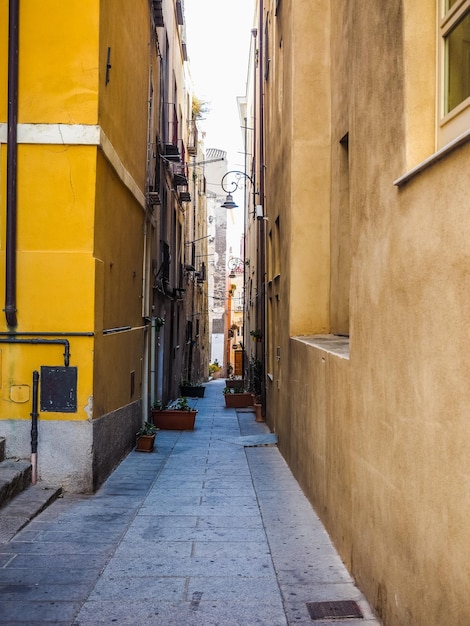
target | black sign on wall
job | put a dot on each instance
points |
(58, 389)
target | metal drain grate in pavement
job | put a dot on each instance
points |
(340, 609)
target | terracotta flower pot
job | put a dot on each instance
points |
(172, 419)
(235, 383)
(145, 443)
(259, 414)
(238, 400)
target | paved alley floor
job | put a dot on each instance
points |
(209, 529)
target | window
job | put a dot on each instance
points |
(455, 69)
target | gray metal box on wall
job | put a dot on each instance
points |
(58, 389)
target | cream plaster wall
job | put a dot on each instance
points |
(377, 438)
(309, 186)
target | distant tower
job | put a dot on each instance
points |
(217, 251)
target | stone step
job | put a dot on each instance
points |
(24, 507)
(15, 476)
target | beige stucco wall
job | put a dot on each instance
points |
(378, 438)
(409, 380)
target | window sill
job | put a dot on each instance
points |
(333, 344)
(441, 153)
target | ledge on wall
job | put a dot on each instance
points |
(335, 344)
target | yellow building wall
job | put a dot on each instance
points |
(3, 63)
(119, 240)
(58, 90)
(81, 224)
(124, 100)
(120, 218)
(58, 80)
(55, 268)
(55, 271)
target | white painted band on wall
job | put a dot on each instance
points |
(113, 158)
(61, 134)
(76, 135)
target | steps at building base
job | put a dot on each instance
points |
(15, 476)
(24, 507)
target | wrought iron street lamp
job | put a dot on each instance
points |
(235, 183)
(231, 181)
(234, 264)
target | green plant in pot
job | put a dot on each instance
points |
(237, 397)
(192, 390)
(146, 437)
(181, 404)
(256, 334)
(178, 415)
(229, 389)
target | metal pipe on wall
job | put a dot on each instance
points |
(34, 429)
(153, 363)
(64, 342)
(12, 159)
(261, 222)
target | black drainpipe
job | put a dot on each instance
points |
(12, 339)
(34, 429)
(262, 238)
(12, 153)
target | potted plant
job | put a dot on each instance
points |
(236, 398)
(192, 390)
(235, 383)
(146, 437)
(256, 334)
(177, 416)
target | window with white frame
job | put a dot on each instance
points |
(454, 30)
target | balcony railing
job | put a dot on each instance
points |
(157, 10)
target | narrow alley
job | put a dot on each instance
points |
(211, 528)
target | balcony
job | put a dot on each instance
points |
(180, 174)
(171, 152)
(157, 11)
(153, 198)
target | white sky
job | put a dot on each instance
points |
(218, 41)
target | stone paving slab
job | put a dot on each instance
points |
(44, 613)
(127, 566)
(190, 613)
